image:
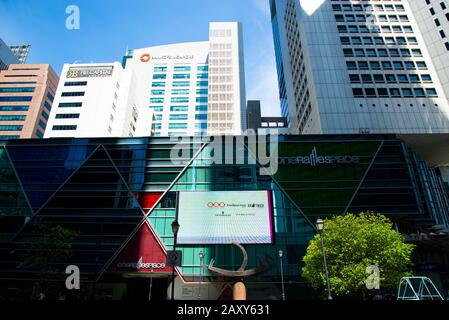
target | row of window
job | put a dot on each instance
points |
(179, 68)
(438, 23)
(368, 7)
(179, 108)
(180, 84)
(14, 108)
(68, 116)
(75, 84)
(178, 92)
(17, 90)
(10, 128)
(390, 78)
(12, 117)
(394, 92)
(73, 94)
(9, 137)
(64, 127)
(382, 52)
(163, 76)
(71, 105)
(369, 41)
(179, 100)
(15, 99)
(387, 65)
(364, 18)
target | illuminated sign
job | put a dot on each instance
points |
(314, 159)
(90, 72)
(225, 217)
(140, 265)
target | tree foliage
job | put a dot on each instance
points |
(352, 243)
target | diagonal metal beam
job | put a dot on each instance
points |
(120, 249)
(58, 189)
(280, 188)
(364, 176)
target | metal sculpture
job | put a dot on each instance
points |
(239, 289)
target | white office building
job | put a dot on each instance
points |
(194, 88)
(98, 100)
(347, 66)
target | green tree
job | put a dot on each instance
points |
(47, 246)
(352, 243)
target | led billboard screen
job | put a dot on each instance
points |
(224, 217)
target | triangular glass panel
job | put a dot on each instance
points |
(14, 209)
(42, 169)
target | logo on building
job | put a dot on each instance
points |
(145, 57)
(90, 72)
(178, 57)
(315, 160)
(140, 265)
(216, 204)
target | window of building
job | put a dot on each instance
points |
(178, 117)
(178, 84)
(14, 108)
(179, 108)
(68, 116)
(12, 117)
(73, 94)
(160, 69)
(10, 128)
(182, 68)
(15, 99)
(18, 90)
(64, 128)
(75, 83)
(71, 105)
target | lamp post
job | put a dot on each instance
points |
(281, 253)
(201, 254)
(320, 227)
(175, 229)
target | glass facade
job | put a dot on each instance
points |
(105, 189)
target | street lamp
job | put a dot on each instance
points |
(201, 254)
(175, 229)
(320, 228)
(281, 253)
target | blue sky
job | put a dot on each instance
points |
(108, 27)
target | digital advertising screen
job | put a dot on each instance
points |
(225, 217)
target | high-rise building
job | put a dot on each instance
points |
(432, 17)
(6, 56)
(98, 100)
(356, 67)
(194, 88)
(26, 98)
(21, 52)
(256, 121)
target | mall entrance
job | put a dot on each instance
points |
(146, 289)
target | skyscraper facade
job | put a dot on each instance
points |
(432, 17)
(21, 52)
(194, 88)
(98, 100)
(26, 98)
(356, 67)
